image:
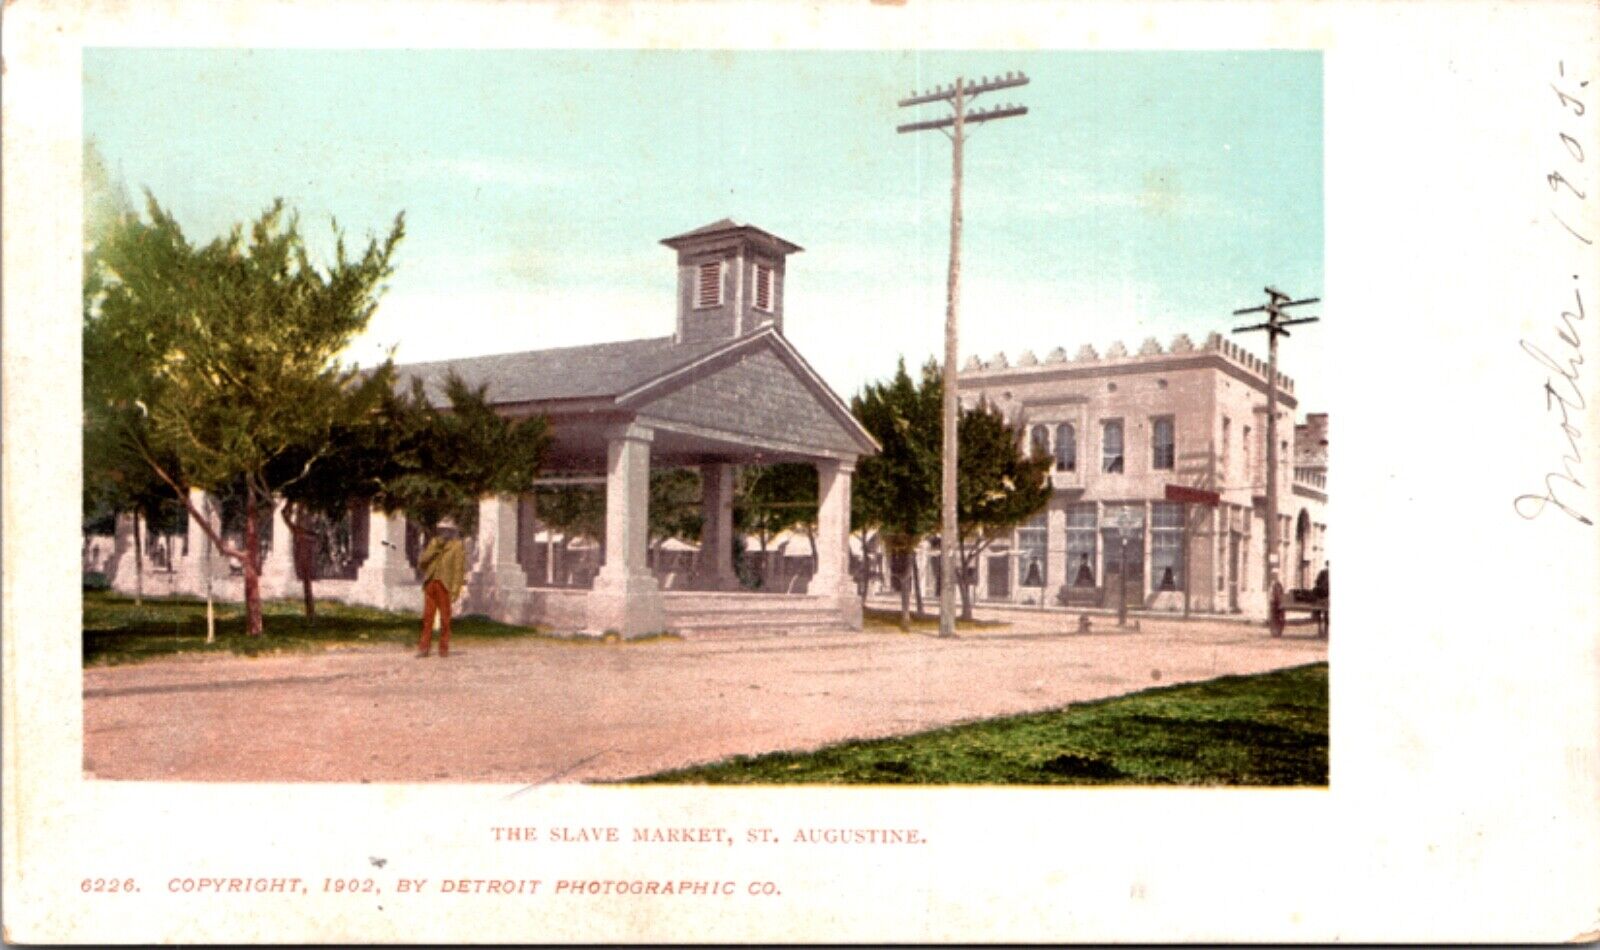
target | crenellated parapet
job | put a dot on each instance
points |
(1118, 354)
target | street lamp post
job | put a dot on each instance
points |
(1123, 521)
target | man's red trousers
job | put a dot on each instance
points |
(435, 599)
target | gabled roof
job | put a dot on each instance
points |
(595, 371)
(626, 374)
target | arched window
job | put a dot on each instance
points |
(1111, 446)
(1041, 441)
(1066, 448)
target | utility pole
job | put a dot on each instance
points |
(1277, 321)
(954, 126)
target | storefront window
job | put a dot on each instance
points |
(1166, 546)
(1031, 545)
(1081, 528)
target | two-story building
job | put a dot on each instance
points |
(1158, 465)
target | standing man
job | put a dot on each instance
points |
(444, 568)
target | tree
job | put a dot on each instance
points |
(352, 468)
(446, 458)
(896, 492)
(117, 481)
(573, 511)
(997, 488)
(675, 510)
(229, 353)
(772, 499)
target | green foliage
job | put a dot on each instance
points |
(1265, 729)
(356, 459)
(675, 510)
(575, 511)
(772, 499)
(445, 459)
(217, 364)
(229, 349)
(998, 487)
(896, 492)
(117, 631)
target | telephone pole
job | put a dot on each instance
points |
(1277, 321)
(958, 94)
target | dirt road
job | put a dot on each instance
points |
(536, 711)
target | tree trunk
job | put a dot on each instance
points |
(766, 566)
(865, 579)
(907, 578)
(305, 564)
(304, 560)
(962, 582)
(138, 562)
(252, 566)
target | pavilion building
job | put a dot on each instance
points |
(725, 389)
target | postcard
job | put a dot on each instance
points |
(640, 473)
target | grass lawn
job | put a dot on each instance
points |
(876, 620)
(1267, 729)
(117, 631)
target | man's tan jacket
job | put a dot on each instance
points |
(445, 560)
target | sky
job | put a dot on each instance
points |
(1145, 193)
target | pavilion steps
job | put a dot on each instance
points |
(726, 614)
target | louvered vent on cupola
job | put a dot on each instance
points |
(730, 280)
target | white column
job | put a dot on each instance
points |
(715, 568)
(832, 578)
(627, 503)
(386, 579)
(278, 578)
(496, 585)
(203, 557)
(121, 569)
(626, 598)
(833, 528)
(1055, 549)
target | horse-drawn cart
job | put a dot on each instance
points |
(1304, 607)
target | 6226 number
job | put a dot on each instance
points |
(108, 885)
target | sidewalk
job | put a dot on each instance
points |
(1068, 616)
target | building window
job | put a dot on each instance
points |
(1163, 443)
(1040, 439)
(1111, 445)
(1227, 433)
(708, 287)
(1166, 545)
(1031, 542)
(1080, 545)
(1066, 448)
(763, 287)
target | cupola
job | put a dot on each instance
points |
(730, 280)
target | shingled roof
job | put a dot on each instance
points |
(595, 371)
(730, 226)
